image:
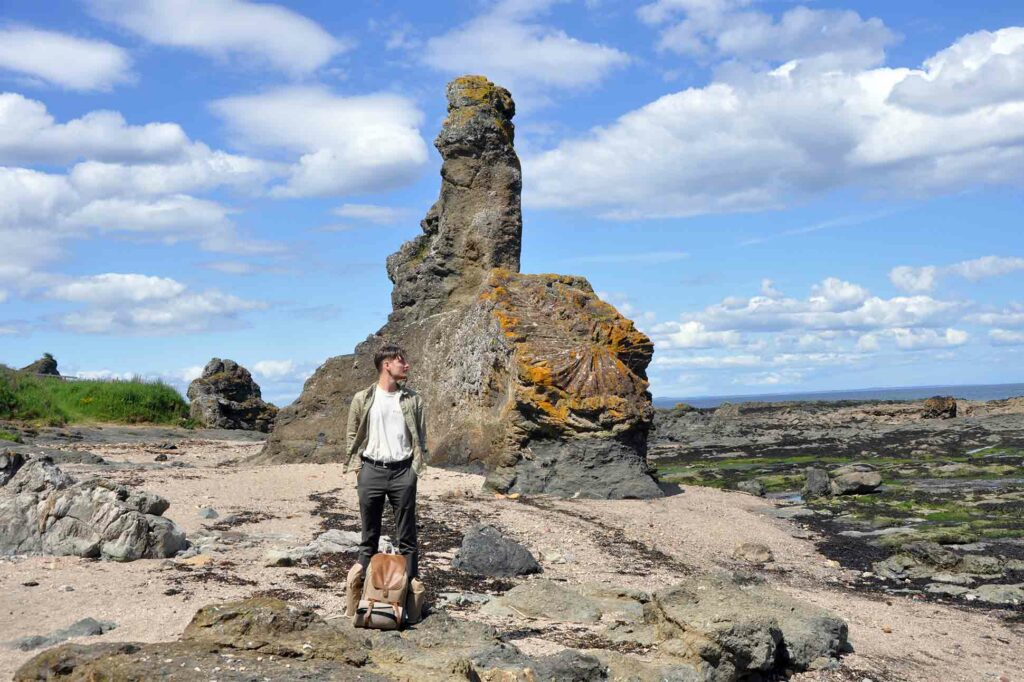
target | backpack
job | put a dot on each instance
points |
(382, 605)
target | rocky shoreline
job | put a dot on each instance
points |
(611, 572)
(940, 518)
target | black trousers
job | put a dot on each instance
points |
(397, 486)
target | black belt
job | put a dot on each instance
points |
(401, 464)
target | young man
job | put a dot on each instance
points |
(386, 446)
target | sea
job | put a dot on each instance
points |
(965, 392)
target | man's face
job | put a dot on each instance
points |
(398, 368)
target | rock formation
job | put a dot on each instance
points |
(44, 510)
(44, 365)
(532, 375)
(702, 629)
(226, 397)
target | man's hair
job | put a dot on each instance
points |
(388, 351)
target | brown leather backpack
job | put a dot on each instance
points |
(382, 605)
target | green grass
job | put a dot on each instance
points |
(54, 401)
(11, 437)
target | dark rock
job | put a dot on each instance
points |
(86, 627)
(931, 553)
(514, 369)
(817, 484)
(485, 551)
(10, 462)
(569, 665)
(226, 397)
(44, 365)
(939, 407)
(160, 458)
(208, 513)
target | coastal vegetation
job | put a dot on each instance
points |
(56, 401)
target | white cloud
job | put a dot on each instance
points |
(710, 361)
(831, 38)
(1011, 316)
(29, 134)
(354, 144)
(191, 373)
(768, 289)
(531, 59)
(980, 69)
(63, 60)
(275, 370)
(1005, 337)
(111, 288)
(692, 334)
(371, 213)
(267, 33)
(749, 142)
(835, 294)
(914, 339)
(185, 312)
(925, 278)
(909, 278)
(784, 377)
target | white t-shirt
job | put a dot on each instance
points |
(387, 438)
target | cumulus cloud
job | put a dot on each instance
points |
(831, 38)
(29, 134)
(692, 334)
(925, 278)
(140, 304)
(275, 369)
(528, 57)
(746, 142)
(915, 339)
(347, 145)
(111, 288)
(267, 33)
(63, 60)
(981, 69)
(1006, 337)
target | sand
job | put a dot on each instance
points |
(895, 638)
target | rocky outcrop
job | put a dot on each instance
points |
(44, 510)
(45, 365)
(485, 551)
(226, 397)
(705, 629)
(939, 407)
(532, 375)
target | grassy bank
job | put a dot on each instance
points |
(54, 401)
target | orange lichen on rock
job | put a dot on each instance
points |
(580, 364)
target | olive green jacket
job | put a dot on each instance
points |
(415, 424)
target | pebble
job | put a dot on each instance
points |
(65, 588)
(886, 629)
(208, 513)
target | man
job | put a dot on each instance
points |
(386, 446)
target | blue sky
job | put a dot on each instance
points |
(785, 196)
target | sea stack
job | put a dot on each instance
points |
(532, 375)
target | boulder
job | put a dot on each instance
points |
(226, 397)
(753, 553)
(532, 375)
(817, 484)
(44, 510)
(939, 407)
(45, 365)
(86, 627)
(10, 462)
(856, 483)
(485, 551)
(332, 541)
(754, 487)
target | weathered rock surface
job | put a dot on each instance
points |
(754, 487)
(485, 551)
(44, 365)
(706, 629)
(856, 483)
(817, 483)
(939, 407)
(532, 375)
(333, 541)
(226, 397)
(44, 510)
(86, 627)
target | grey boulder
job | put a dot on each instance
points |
(856, 483)
(817, 484)
(485, 551)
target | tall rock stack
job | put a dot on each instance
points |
(533, 375)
